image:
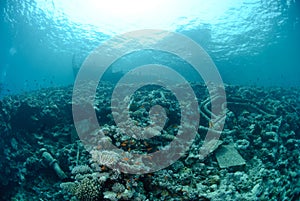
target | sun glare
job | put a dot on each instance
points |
(115, 16)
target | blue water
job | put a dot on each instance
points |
(251, 42)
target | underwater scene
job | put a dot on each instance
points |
(149, 100)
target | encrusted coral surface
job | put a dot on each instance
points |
(263, 125)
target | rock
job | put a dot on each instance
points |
(110, 195)
(256, 190)
(227, 156)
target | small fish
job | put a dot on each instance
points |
(211, 124)
(126, 159)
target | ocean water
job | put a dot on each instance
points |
(238, 59)
(251, 42)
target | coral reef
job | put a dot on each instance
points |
(42, 157)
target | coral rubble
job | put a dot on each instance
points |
(256, 157)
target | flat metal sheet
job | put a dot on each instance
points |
(227, 156)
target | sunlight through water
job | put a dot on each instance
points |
(115, 16)
(241, 36)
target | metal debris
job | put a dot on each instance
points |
(227, 156)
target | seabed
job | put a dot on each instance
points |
(256, 157)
